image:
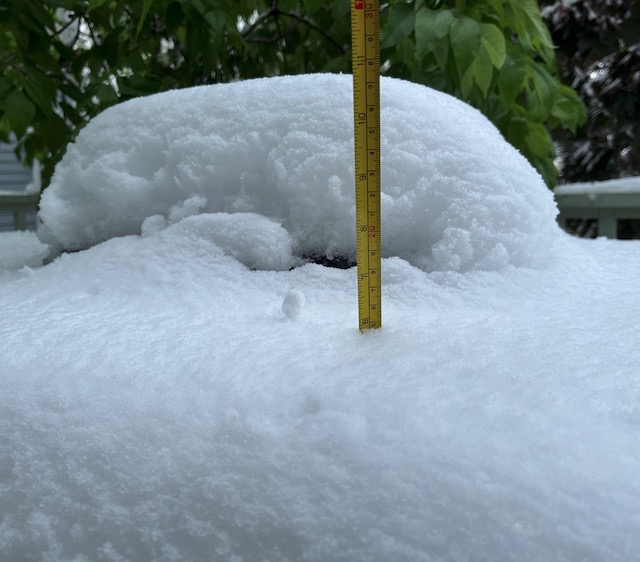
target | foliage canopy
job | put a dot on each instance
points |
(64, 61)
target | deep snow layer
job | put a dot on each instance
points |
(193, 391)
(456, 196)
(161, 401)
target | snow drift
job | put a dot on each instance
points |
(182, 393)
(456, 196)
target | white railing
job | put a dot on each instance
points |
(603, 204)
(18, 206)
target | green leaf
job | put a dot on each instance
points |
(215, 21)
(94, 4)
(19, 110)
(530, 28)
(40, 89)
(540, 150)
(174, 17)
(39, 18)
(107, 95)
(442, 25)
(497, 6)
(284, 5)
(340, 9)
(5, 85)
(569, 110)
(441, 52)
(538, 139)
(71, 113)
(465, 42)
(70, 90)
(494, 44)
(430, 26)
(424, 30)
(515, 129)
(54, 131)
(547, 169)
(5, 128)
(145, 10)
(398, 26)
(542, 95)
(312, 6)
(199, 6)
(511, 79)
(480, 71)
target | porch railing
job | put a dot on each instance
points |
(19, 207)
(604, 207)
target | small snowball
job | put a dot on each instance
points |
(293, 304)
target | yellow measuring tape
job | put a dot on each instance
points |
(365, 40)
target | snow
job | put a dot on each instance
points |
(619, 185)
(190, 389)
(20, 249)
(455, 194)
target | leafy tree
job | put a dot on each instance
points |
(64, 61)
(599, 55)
(495, 54)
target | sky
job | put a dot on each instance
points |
(181, 382)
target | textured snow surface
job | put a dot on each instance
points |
(192, 391)
(19, 249)
(160, 401)
(456, 195)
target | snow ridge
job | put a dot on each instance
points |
(456, 196)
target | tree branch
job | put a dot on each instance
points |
(275, 12)
(312, 25)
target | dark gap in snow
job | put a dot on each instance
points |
(339, 262)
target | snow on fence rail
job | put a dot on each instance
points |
(606, 208)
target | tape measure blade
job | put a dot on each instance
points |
(365, 31)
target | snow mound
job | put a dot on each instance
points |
(456, 196)
(21, 249)
(253, 240)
